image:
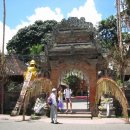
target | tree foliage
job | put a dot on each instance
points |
(107, 33)
(30, 36)
(128, 4)
(36, 49)
(74, 82)
(108, 40)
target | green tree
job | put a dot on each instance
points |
(73, 81)
(107, 33)
(108, 40)
(36, 49)
(30, 36)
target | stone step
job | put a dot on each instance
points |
(72, 115)
(75, 114)
(77, 111)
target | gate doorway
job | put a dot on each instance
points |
(79, 84)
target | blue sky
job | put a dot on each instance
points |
(21, 13)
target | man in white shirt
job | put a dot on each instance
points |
(67, 94)
(53, 106)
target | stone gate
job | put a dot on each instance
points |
(74, 47)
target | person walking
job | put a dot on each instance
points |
(53, 106)
(67, 94)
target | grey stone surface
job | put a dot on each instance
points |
(41, 125)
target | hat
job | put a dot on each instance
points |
(32, 62)
(53, 90)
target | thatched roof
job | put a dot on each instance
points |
(14, 66)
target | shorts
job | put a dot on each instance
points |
(68, 100)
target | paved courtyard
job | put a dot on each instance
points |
(8, 122)
(16, 123)
(44, 119)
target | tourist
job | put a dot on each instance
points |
(67, 94)
(60, 99)
(53, 106)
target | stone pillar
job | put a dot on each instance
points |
(54, 77)
(92, 95)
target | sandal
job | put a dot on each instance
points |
(66, 111)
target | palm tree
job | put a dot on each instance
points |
(2, 58)
(36, 49)
(4, 19)
(120, 54)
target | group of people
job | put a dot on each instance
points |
(59, 105)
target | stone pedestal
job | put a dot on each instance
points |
(106, 108)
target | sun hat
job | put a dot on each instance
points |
(53, 90)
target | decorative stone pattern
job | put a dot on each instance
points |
(74, 23)
(74, 30)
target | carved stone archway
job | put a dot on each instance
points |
(72, 45)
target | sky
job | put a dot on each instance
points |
(21, 13)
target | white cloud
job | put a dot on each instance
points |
(88, 10)
(8, 35)
(45, 13)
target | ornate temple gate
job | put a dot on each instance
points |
(74, 48)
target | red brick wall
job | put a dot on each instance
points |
(88, 69)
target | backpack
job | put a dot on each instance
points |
(49, 101)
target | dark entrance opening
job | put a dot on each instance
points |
(79, 85)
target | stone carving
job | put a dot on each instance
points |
(72, 36)
(74, 23)
(73, 30)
